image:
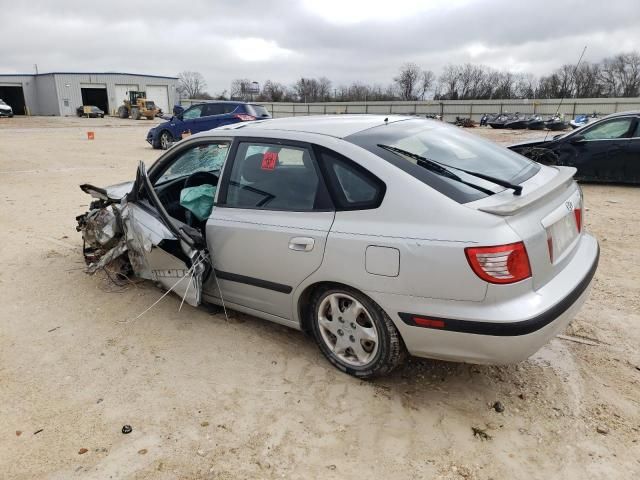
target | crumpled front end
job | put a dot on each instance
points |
(123, 238)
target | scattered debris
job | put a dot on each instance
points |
(53, 329)
(498, 407)
(99, 400)
(602, 429)
(204, 424)
(127, 429)
(481, 433)
(38, 431)
(18, 433)
(331, 467)
(201, 453)
(142, 451)
(82, 451)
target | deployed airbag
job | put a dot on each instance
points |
(198, 200)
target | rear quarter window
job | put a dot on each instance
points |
(351, 186)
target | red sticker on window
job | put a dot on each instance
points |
(269, 160)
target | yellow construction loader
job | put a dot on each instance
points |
(137, 106)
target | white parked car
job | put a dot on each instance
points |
(5, 110)
(376, 235)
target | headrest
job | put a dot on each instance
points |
(252, 170)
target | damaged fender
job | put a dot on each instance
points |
(115, 227)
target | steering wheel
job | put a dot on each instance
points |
(201, 178)
(194, 180)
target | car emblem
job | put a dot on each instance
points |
(569, 205)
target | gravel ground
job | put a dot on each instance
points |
(244, 398)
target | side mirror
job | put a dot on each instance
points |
(178, 111)
(577, 139)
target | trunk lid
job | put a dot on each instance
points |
(544, 217)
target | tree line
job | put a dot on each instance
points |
(616, 76)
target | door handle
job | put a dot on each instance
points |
(301, 244)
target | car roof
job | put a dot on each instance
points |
(339, 126)
(622, 114)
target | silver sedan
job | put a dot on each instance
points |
(379, 236)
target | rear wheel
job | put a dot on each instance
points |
(354, 333)
(165, 140)
(123, 112)
(135, 113)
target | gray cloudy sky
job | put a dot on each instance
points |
(344, 40)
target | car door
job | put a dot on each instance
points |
(269, 227)
(191, 118)
(632, 155)
(210, 116)
(162, 245)
(161, 248)
(599, 150)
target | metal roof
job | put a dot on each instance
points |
(83, 73)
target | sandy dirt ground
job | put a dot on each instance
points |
(210, 398)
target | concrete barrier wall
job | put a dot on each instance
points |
(450, 109)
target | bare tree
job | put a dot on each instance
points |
(240, 89)
(407, 81)
(427, 79)
(191, 84)
(272, 92)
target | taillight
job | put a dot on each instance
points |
(243, 117)
(578, 213)
(501, 263)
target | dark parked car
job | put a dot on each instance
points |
(605, 150)
(89, 111)
(203, 116)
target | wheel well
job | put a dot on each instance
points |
(304, 302)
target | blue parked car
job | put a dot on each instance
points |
(203, 116)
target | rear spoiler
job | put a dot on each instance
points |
(562, 179)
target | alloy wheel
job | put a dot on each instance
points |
(347, 329)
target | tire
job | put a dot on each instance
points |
(165, 140)
(135, 113)
(363, 342)
(123, 112)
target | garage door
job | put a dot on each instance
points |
(14, 97)
(95, 96)
(159, 94)
(122, 93)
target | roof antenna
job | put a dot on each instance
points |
(564, 86)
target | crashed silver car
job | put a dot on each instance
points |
(377, 235)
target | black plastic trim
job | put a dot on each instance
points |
(510, 329)
(256, 282)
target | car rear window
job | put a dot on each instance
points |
(453, 148)
(257, 111)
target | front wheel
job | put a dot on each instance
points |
(165, 140)
(355, 334)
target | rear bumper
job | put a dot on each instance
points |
(503, 332)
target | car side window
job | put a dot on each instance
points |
(352, 186)
(208, 157)
(275, 177)
(213, 109)
(636, 134)
(609, 130)
(193, 112)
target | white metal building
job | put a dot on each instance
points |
(60, 93)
